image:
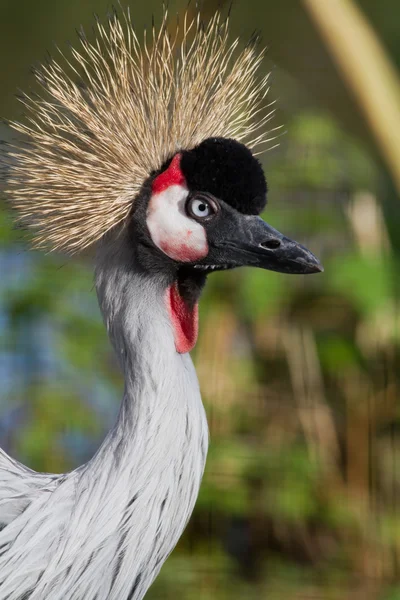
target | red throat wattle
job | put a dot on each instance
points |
(185, 320)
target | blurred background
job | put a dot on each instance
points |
(300, 375)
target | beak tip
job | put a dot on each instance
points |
(310, 265)
(317, 268)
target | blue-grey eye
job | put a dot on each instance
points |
(201, 208)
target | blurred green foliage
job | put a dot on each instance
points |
(300, 376)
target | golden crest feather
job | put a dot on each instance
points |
(114, 111)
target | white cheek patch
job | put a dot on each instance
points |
(171, 230)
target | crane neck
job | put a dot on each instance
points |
(161, 406)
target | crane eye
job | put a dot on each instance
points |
(201, 207)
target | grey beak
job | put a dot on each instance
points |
(249, 241)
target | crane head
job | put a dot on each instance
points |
(200, 214)
(203, 213)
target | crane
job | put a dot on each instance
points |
(145, 150)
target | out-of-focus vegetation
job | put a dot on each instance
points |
(300, 376)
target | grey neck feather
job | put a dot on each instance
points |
(107, 527)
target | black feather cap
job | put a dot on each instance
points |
(228, 170)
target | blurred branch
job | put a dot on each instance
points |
(367, 70)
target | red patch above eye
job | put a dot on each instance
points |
(171, 176)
